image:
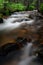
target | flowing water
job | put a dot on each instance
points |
(27, 59)
(8, 24)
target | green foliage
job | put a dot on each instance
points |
(19, 6)
(31, 7)
(1, 15)
(1, 1)
(15, 6)
(41, 8)
(1, 6)
(9, 7)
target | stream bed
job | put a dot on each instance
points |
(8, 26)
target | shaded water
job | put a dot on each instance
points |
(27, 59)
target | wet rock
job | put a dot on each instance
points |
(7, 48)
(21, 41)
(9, 52)
(1, 20)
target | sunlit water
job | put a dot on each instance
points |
(9, 25)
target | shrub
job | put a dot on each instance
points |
(1, 7)
(2, 10)
(41, 8)
(31, 7)
(16, 6)
(20, 6)
(11, 7)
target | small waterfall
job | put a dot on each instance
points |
(26, 59)
(27, 49)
